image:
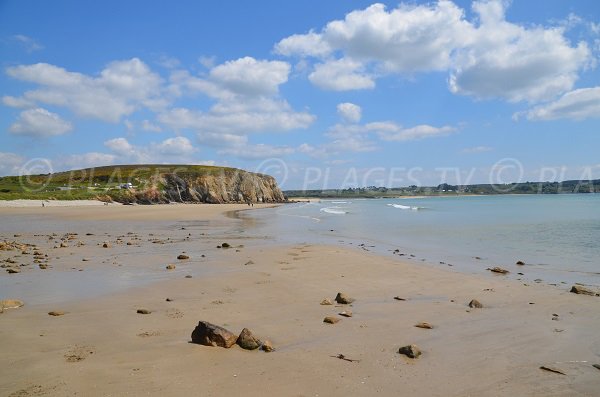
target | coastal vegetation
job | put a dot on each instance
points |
(444, 189)
(145, 184)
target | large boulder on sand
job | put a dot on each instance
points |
(208, 334)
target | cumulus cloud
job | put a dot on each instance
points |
(309, 44)
(246, 93)
(264, 115)
(578, 104)
(85, 160)
(488, 57)
(349, 112)
(149, 126)
(516, 63)
(341, 75)
(362, 137)
(178, 148)
(14, 102)
(39, 122)
(120, 89)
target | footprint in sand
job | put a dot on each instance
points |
(79, 353)
(174, 313)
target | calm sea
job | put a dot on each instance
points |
(557, 236)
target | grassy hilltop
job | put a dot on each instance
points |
(102, 183)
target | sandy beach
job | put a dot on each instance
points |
(96, 266)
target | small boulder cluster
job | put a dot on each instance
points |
(208, 334)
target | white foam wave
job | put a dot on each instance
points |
(334, 210)
(405, 207)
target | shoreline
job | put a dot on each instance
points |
(275, 290)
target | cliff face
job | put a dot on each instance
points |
(224, 187)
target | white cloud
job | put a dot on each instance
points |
(516, 63)
(309, 44)
(261, 115)
(477, 149)
(179, 149)
(341, 75)
(389, 131)
(349, 112)
(120, 146)
(14, 102)
(178, 146)
(250, 77)
(216, 139)
(578, 104)
(120, 89)
(27, 42)
(488, 57)
(151, 127)
(85, 160)
(10, 163)
(39, 122)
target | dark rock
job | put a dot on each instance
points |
(106, 245)
(43, 266)
(346, 313)
(597, 366)
(247, 340)
(552, 369)
(143, 311)
(331, 320)
(498, 270)
(520, 263)
(182, 257)
(424, 325)
(56, 313)
(411, 351)
(399, 298)
(343, 299)
(188, 276)
(169, 300)
(13, 270)
(225, 245)
(475, 304)
(578, 289)
(208, 334)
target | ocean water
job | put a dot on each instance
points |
(557, 236)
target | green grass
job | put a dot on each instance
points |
(93, 183)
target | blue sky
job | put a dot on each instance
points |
(320, 94)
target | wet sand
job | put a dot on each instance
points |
(101, 346)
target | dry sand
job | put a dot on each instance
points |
(101, 346)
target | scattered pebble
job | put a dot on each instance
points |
(143, 311)
(411, 351)
(475, 304)
(343, 299)
(424, 325)
(331, 320)
(56, 313)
